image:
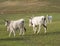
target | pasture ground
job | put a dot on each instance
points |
(52, 38)
(29, 6)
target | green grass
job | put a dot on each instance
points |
(52, 38)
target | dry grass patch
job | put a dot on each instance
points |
(22, 3)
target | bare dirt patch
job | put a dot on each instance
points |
(18, 3)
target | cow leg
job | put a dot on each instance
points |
(23, 31)
(34, 29)
(20, 31)
(39, 29)
(45, 27)
(10, 33)
(14, 33)
(50, 20)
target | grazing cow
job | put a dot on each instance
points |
(49, 19)
(38, 20)
(14, 25)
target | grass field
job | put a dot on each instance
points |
(52, 38)
(17, 9)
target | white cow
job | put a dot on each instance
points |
(14, 25)
(49, 19)
(38, 20)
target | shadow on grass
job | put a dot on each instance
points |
(29, 36)
(50, 33)
(23, 38)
